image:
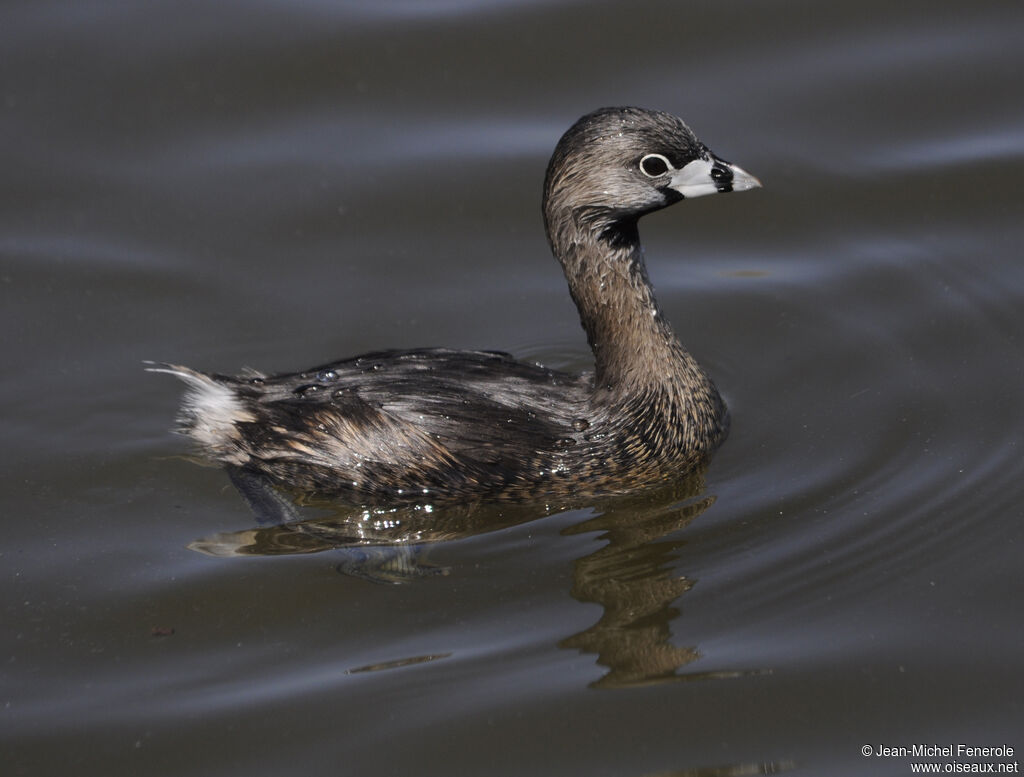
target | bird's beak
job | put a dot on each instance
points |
(711, 176)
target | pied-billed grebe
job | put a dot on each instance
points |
(436, 425)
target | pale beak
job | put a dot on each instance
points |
(711, 176)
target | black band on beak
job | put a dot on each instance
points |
(721, 174)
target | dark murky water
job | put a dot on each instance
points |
(275, 184)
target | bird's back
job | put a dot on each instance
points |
(393, 426)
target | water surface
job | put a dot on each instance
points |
(277, 184)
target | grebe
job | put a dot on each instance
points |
(438, 425)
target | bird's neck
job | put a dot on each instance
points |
(635, 350)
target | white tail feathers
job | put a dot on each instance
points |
(209, 411)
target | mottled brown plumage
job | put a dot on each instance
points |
(438, 426)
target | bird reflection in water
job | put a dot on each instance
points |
(631, 575)
(632, 578)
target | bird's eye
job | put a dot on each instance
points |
(654, 165)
